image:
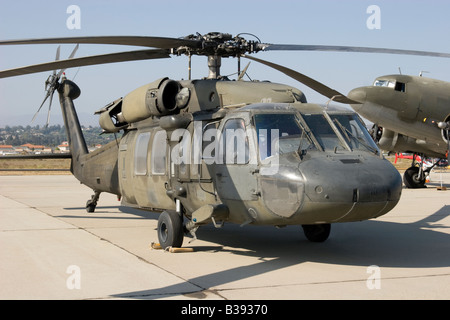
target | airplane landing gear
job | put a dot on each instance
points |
(414, 177)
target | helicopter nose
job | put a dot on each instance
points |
(352, 189)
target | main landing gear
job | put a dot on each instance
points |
(170, 229)
(415, 176)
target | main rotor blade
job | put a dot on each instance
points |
(300, 47)
(87, 61)
(313, 84)
(151, 42)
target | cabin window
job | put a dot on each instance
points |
(159, 150)
(209, 142)
(140, 154)
(234, 147)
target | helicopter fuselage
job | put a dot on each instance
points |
(222, 155)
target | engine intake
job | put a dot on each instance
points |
(159, 98)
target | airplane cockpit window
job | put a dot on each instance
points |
(396, 85)
(384, 83)
(280, 133)
(354, 132)
(400, 86)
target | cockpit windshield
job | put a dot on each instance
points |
(396, 85)
(384, 83)
(354, 132)
(323, 132)
(285, 132)
(280, 133)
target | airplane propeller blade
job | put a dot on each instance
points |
(448, 143)
(313, 84)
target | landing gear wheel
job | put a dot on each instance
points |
(317, 232)
(412, 179)
(90, 206)
(170, 229)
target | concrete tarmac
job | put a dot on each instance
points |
(51, 248)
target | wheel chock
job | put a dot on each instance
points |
(157, 246)
(179, 250)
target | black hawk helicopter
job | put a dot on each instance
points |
(216, 150)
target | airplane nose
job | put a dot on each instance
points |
(358, 94)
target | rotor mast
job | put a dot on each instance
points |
(214, 64)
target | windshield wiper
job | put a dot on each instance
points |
(347, 132)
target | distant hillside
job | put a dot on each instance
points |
(51, 136)
(86, 119)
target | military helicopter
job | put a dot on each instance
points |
(410, 114)
(216, 150)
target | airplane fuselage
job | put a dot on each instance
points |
(409, 109)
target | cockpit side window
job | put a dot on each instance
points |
(400, 86)
(234, 145)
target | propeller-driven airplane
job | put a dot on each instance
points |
(216, 150)
(410, 114)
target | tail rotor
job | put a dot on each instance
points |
(52, 83)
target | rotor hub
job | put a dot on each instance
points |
(218, 44)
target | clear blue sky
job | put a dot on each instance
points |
(417, 25)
